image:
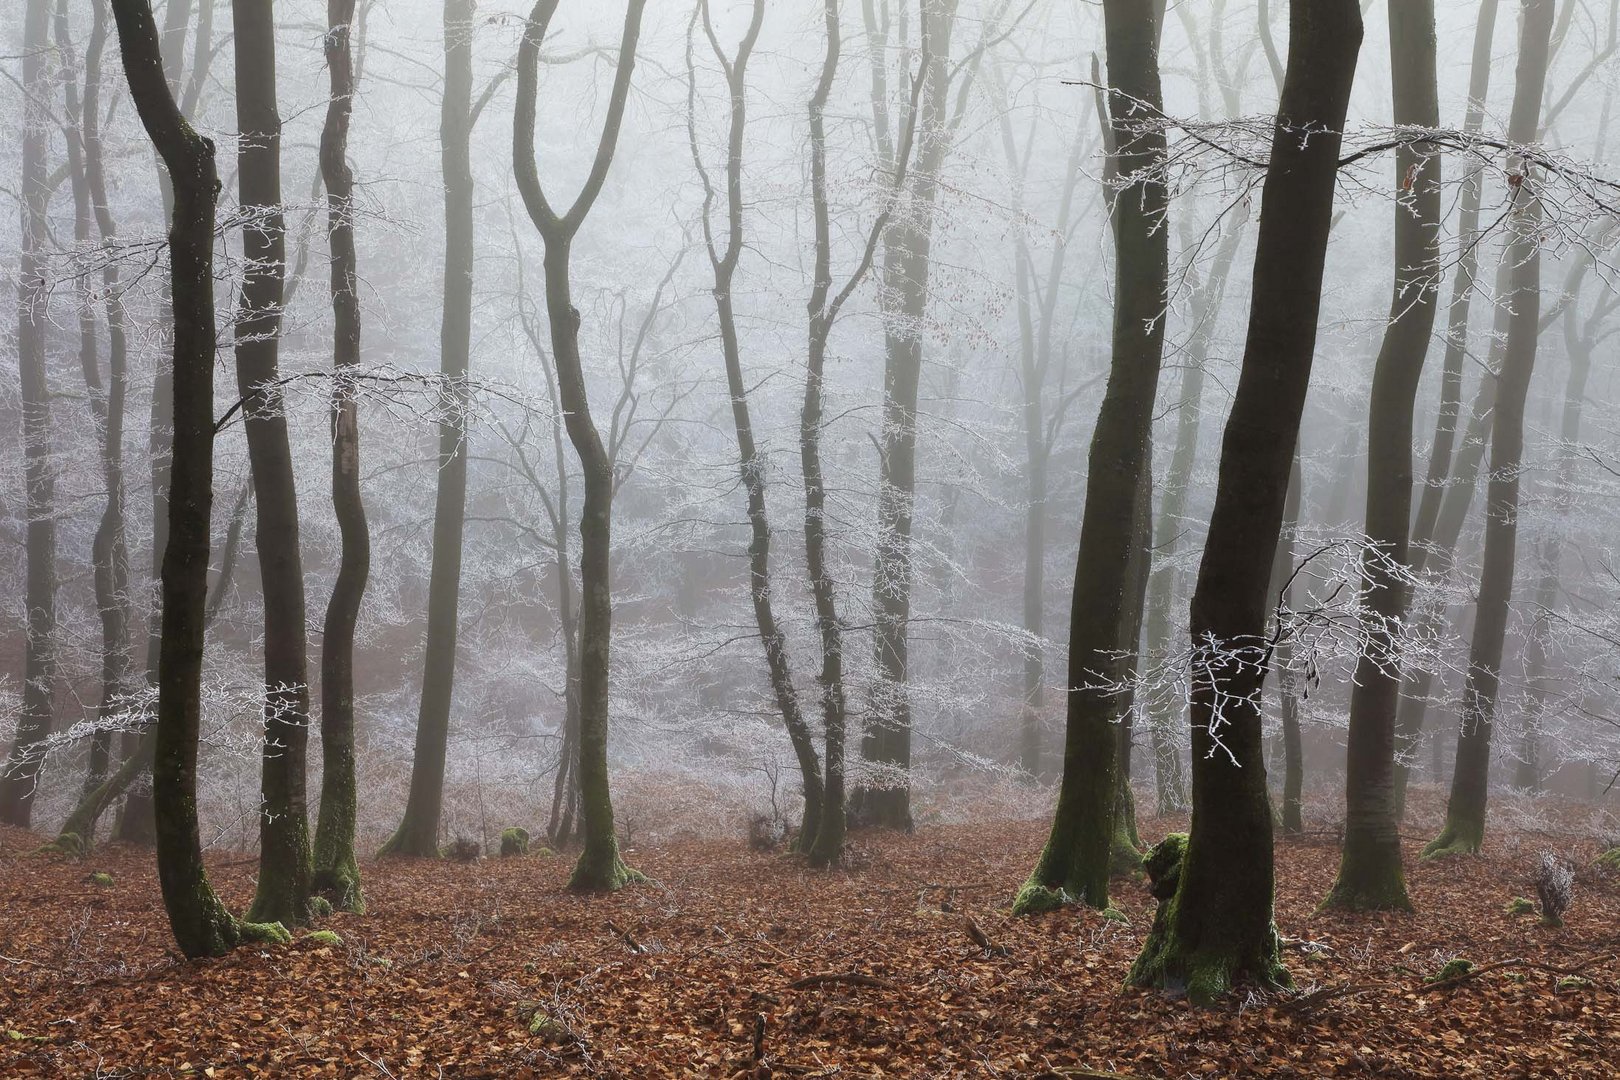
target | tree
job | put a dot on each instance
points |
(1464, 829)
(335, 869)
(202, 925)
(1370, 873)
(21, 771)
(284, 854)
(1291, 819)
(418, 832)
(1215, 928)
(1106, 613)
(109, 553)
(751, 465)
(599, 867)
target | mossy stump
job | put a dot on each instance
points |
(514, 843)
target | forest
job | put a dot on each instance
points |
(810, 538)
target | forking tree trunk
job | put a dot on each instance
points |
(599, 867)
(1370, 872)
(337, 874)
(418, 832)
(284, 854)
(1215, 928)
(723, 261)
(21, 771)
(1106, 613)
(1464, 830)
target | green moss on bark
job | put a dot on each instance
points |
(601, 870)
(1457, 838)
(1610, 859)
(1370, 879)
(267, 933)
(514, 842)
(1035, 898)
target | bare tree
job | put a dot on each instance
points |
(599, 867)
(1215, 922)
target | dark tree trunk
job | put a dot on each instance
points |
(336, 871)
(1464, 830)
(723, 260)
(21, 770)
(1217, 927)
(284, 855)
(202, 926)
(136, 821)
(418, 832)
(1078, 856)
(599, 867)
(1370, 872)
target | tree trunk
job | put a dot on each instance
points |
(1165, 709)
(202, 926)
(21, 771)
(418, 832)
(1464, 830)
(599, 868)
(1216, 928)
(1077, 859)
(1282, 592)
(1370, 872)
(723, 261)
(109, 554)
(336, 871)
(907, 249)
(284, 855)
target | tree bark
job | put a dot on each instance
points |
(723, 261)
(20, 774)
(336, 872)
(418, 832)
(1077, 860)
(1464, 830)
(1282, 590)
(1370, 873)
(202, 926)
(284, 855)
(599, 868)
(1217, 926)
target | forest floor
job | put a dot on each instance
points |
(492, 970)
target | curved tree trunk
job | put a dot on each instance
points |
(1078, 857)
(336, 871)
(599, 867)
(1464, 830)
(1370, 872)
(1216, 927)
(723, 261)
(202, 926)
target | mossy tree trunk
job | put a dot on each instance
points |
(1079, 855)
(723, 260)
(1216, 929)
(1370, 872)
(599, 867)
(337, 874)
(202, 926)
(284, 854)
(1464, 830)
(418, 831)
(20, 772)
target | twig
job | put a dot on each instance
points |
(635, 946)
(852, 978)
(1518, 961)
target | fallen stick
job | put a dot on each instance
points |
(851, 978)
(1518, 961)
(635, 946)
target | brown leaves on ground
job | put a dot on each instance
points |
(492, 969)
